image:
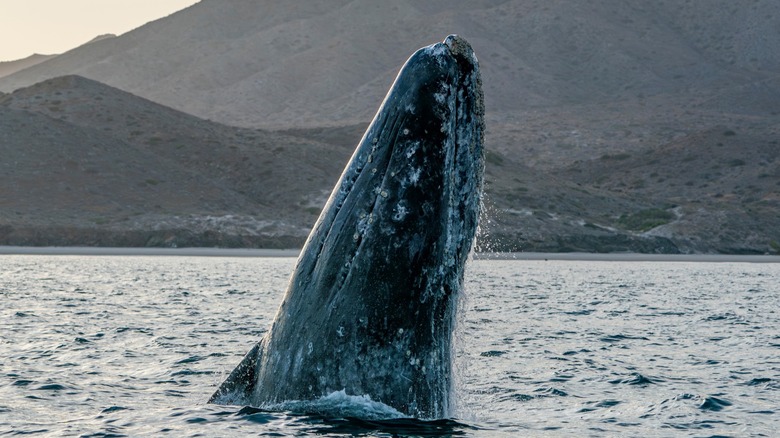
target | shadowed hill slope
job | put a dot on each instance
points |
(87, 158)
(87, 164)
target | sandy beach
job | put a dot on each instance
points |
(631, 257)
(190, 252)
(247, 252)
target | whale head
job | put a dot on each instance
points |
(411, 191)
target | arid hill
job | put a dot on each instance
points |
(606, 120)
(87, 164)
(299, 63)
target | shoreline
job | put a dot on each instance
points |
(252, 252)
(143, 251)
(629, 257)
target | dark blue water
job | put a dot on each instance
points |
(134, 346)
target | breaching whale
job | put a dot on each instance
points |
(370, 306)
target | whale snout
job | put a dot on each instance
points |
(461, 50)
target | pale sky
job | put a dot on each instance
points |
(56, 26)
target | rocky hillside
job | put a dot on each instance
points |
(719, 187)
(87, 164)
(322, 62)
(612, 125)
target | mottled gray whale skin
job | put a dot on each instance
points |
(371, 303)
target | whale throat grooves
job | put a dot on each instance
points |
(371, 303)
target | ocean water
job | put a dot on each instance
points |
(135, 345)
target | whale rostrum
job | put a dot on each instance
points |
(370, 306)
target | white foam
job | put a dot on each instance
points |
(341, 404)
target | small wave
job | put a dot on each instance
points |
(551, 392)
(579, 312)
(635, 379)
(492, 353)
(731, 317)
(714, 404)
(560, 377)
(607, 403)
(31, 431)
(758, 381)
(108, 434)
(256, 415)
(621, 337)
(188, 372)
(113, 409)
(190, 359)
(142, 330)
(709, 403)
(519, 397)
(574, 352)
(52, 387)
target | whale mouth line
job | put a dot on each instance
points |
(366, 166)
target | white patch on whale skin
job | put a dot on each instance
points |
(414, 176)
(441, 97)
(365, 219)
(399, 212)
(412, 149)
(439, 52)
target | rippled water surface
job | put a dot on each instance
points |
(113, 346)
